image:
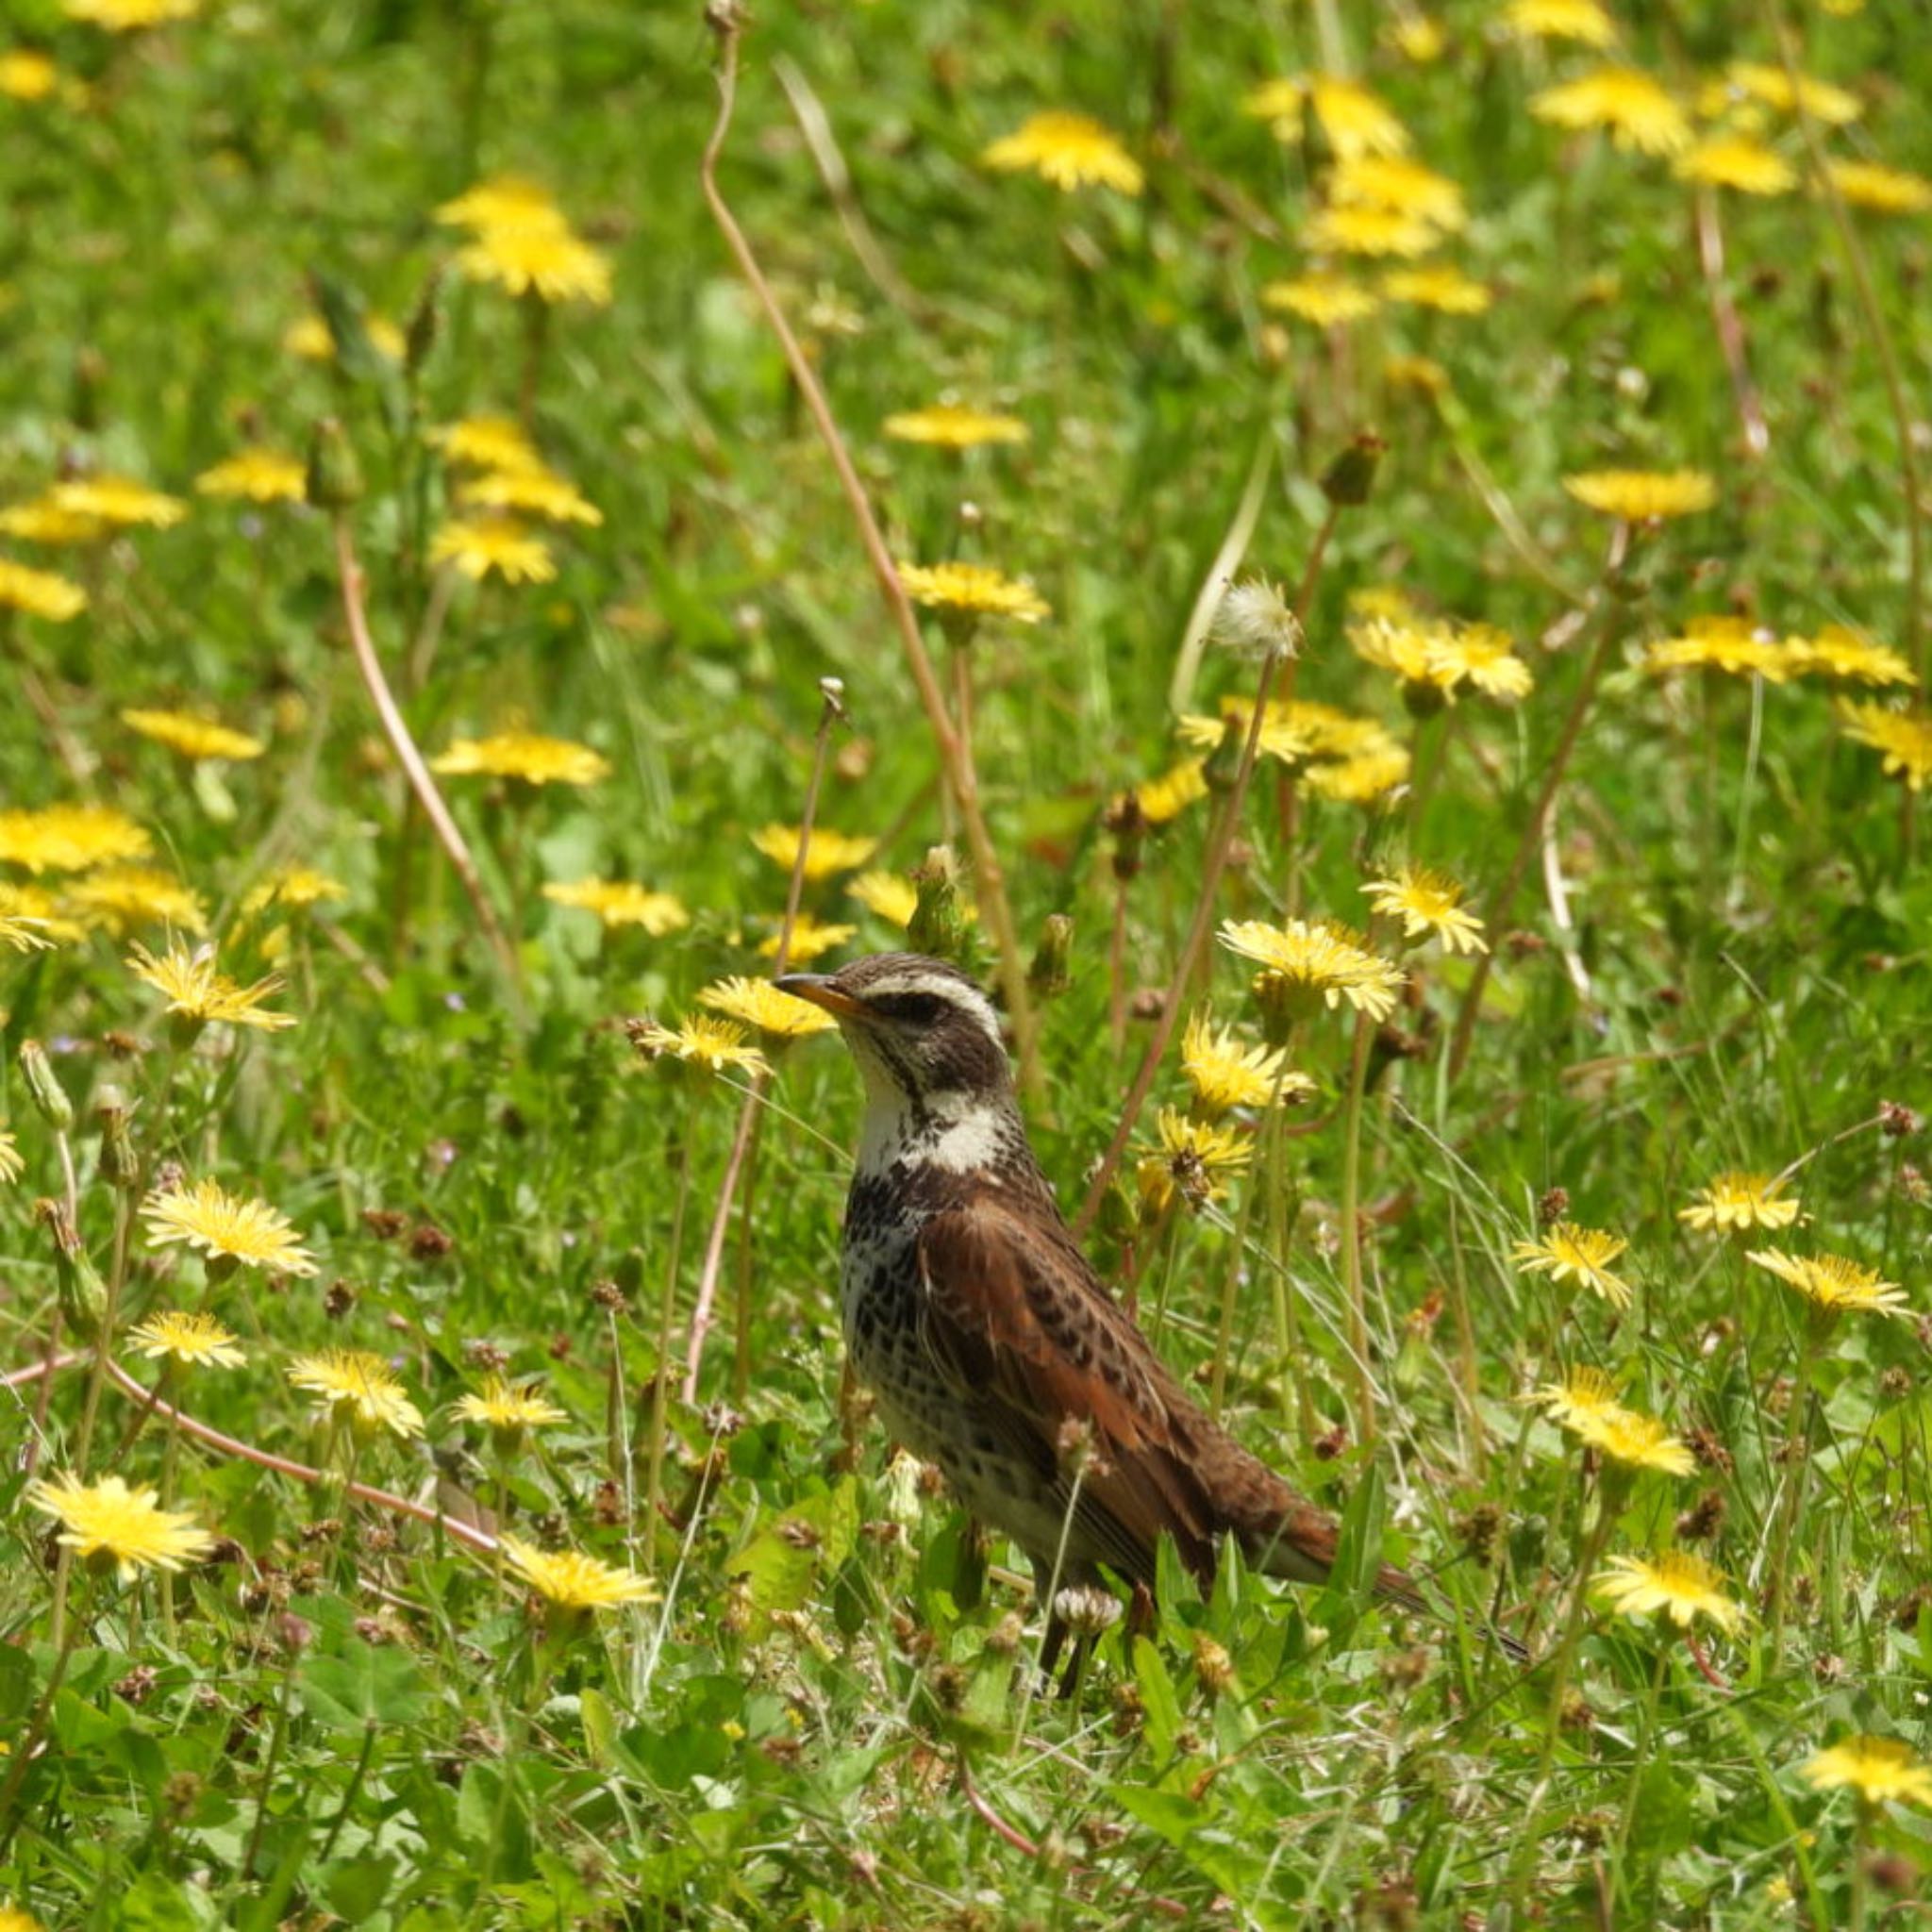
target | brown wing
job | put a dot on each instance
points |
(1014, 1322)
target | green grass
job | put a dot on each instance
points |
(348, 1715)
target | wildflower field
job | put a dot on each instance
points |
(1363, 565)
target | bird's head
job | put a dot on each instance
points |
(921, 1030)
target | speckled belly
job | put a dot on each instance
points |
(933, 1419)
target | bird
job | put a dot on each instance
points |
(991, 1344)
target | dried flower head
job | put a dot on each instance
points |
(1255, 617)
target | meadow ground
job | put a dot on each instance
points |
(422, 555)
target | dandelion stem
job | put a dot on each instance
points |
(726, 21)
(667, 1312)
(1352, 1229)
(1497, 915)
(1723, 315)
(830, 711)
(1213, 865)
(1913, 506)
(421, 783)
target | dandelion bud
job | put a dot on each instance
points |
(939, 921)
(82, 1292)
(120, 1164)
(49, 1097)
(1352, 475)
(90, 386)
(425, 324)
(1051, 975)
(334, 481)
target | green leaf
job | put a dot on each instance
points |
(356, 1886)
(373, 1684)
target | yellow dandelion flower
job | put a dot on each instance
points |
(573, 1581)
(531, 490)
(1317, 958)
(1422, 372)
(311, 337)
(38, 911)
(1833, 1282)
(954, 425)
(525, 755)
(70, 838)
(477, 545)
(1637, 1442)
(972, 587)
(294, 886)
(1401, 185)
(1434, 658)
(1880, 189)
(829, 852)
(1736, 1203)
(810, 941)
(39, 592)
(1582, 1255)
(1368, 231)
(1735, 160)
(40, 521)
(502, 201)
(1718, 641)
(1843, 654)
(488, 443)
(1322, 298)
(195, 989)
(1354, 121)
(1428, 902)
(260, 475)
(189, 1338)
(194, 737)
(355, 1385)
(1641, 496)
(28, 75)
(887, 896)
(1637, 110)
(221, 1226)
(129, 16)
(1878, 1769)
(1226, 1072)
(504, 1406)
(1416, 37)
(23, 935)
(1758, 80)
(118, 898)
(12, 1165)
(1584, 1395)
(1362, 778)
(541, 259)
(1195, 1157)
(622, 902)
(118, 500)
(1903, 740)
(1069, 151)
(1162, 799)
(1679, 1583)
(766, 1008)
(1446, 290)
(716, 1045)
(1582, 20)
(107, 1524)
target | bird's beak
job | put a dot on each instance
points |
(820, 990)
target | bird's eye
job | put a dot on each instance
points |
(910, 1009)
